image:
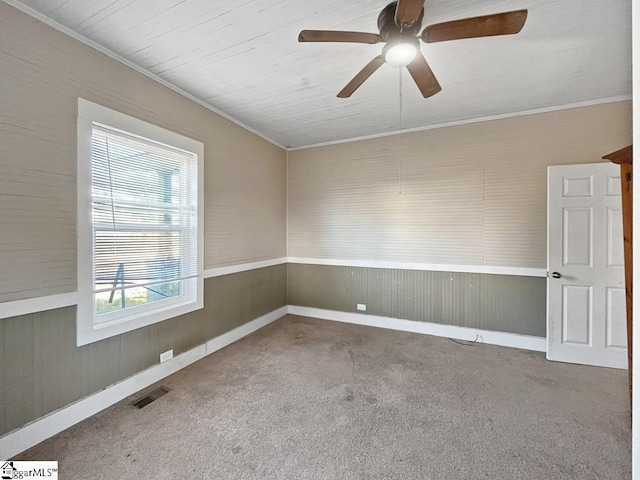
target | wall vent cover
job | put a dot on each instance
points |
(151, 397)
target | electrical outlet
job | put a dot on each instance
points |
(168, 355)
(362, 307)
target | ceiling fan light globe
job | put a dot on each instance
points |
(400, 54)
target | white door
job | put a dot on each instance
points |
(586, 320)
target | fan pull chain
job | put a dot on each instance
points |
(400, 131)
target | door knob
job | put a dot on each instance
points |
(556, 275)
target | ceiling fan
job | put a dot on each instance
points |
(399, 24)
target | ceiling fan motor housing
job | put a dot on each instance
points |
(399, 24)
(389, 30)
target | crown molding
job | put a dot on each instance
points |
(100, 48)
(110, 53)
(469, 121)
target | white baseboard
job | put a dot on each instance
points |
(527, 342)
(39, 430)
(237, 333)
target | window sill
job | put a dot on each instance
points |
(98, 332)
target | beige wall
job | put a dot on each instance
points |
(42, 74)
(466, 195)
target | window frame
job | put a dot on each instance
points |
(88, 329)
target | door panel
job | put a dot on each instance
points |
(585, 289)
(614, 187)
(577, 236)
(615, 248)
(578, 186)
(616, 318)
(577, 313)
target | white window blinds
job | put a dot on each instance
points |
(144, 217)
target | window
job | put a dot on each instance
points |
(139, 223)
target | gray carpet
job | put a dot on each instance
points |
(312, 399)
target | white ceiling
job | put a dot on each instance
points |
(242, 58)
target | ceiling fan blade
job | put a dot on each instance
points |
(408, 12)
(362, 75)
(506, 23)
(337, 36)
(423, 76)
